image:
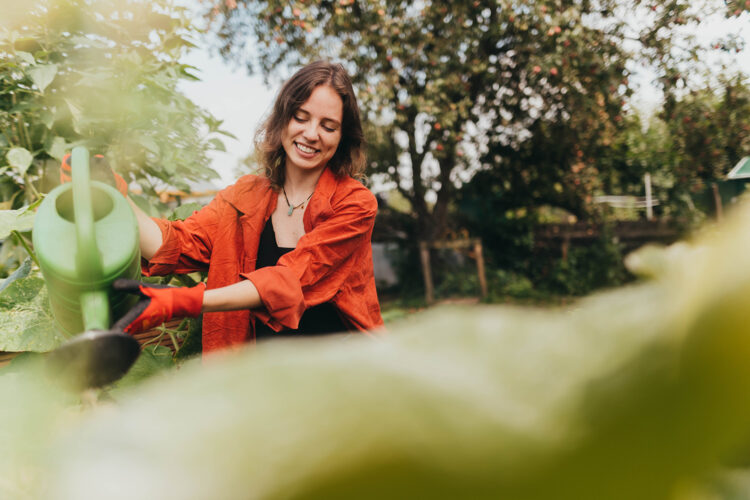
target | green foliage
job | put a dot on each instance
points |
(710, 132)
(23, 271)
(503, 285)
(454, 275)
(103, 75)
(684, 153)
(597, 265)
(27, 323)
(21, 220)
(153, 360)
(184, 211)
(693, 143)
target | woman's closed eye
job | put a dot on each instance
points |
(327, 126)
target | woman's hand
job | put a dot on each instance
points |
(100, 171)
(159, 303)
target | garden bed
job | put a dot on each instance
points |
(149, 337)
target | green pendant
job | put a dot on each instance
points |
(291, 209)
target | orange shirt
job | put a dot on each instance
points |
(332, 260)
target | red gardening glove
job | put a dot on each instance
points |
(100, 171)
(159, 303)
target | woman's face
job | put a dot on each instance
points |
(312, 135)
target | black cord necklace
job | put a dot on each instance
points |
(292, 208)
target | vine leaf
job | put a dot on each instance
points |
(184, 211)
(57, 148)
(19, 273)
(20, 158)
(152, 360)
(43, 74)
(27, 323)
(21, 220)
(25, 57)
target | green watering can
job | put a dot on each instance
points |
(86, 236)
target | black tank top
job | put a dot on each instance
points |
(317, 320)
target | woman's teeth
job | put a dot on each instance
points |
(305, 149)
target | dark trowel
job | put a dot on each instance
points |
(93, 359)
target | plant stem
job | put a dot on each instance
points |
(29, 145)
(8, 138)
(175, 345)
(30, 184)
(26, 246)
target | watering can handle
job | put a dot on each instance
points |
(88, 259)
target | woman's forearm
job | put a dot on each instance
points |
(240, 295)
(150, 234)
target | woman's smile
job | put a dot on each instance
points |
(306, 149)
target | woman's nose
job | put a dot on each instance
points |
(311, 131)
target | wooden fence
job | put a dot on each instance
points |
(631, 233)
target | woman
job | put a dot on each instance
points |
(288, 251)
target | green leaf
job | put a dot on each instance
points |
(149, 143)
(184, 211)
(20, 158)
(57, 148)
(43, 74)
(227, 134)
(75, 111)
(22, 272)
(20, 220)
(47, 117)
(25, 57)
(217, 144)
(152, 360)
(27, 323)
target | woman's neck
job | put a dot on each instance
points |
(301, 183)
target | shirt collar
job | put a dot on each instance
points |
(320, 202)
(252, 194)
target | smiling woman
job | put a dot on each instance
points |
(302, 266)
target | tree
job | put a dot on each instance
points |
(450, 88)
(710, 130)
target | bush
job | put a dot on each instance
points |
(587, 268)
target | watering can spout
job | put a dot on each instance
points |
(95, 310)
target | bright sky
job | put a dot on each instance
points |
(230, 95)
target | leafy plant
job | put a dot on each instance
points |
(103, 75)
(598, 264)
(27, 323)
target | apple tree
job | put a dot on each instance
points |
(535, 90)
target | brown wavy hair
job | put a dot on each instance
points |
(349, 158)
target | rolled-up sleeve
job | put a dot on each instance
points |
(324, 259)
(186, 245)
